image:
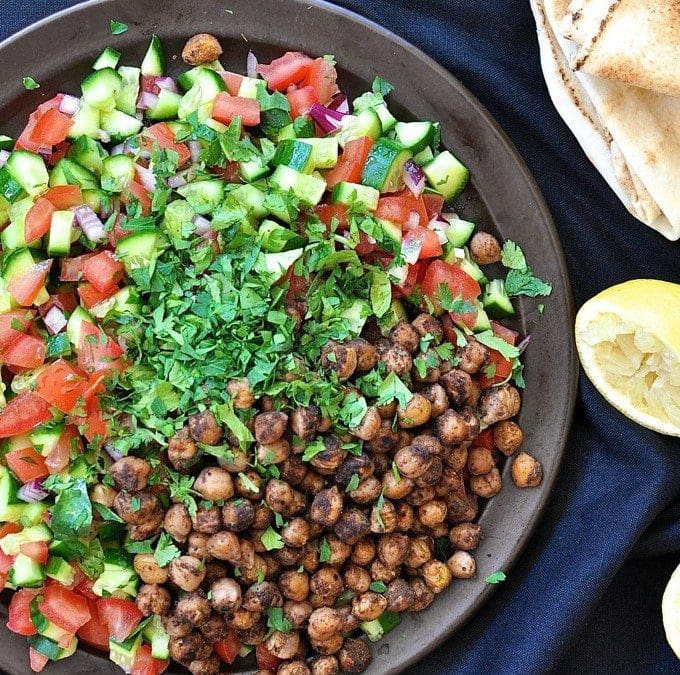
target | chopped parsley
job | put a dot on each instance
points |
(324, 551)
(496, 578)
(30, 83)
(117, 27)
(271, 539)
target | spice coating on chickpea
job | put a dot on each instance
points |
(201, 48)
(526, 471)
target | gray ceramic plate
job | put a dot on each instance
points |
(502, 198)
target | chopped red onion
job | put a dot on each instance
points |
(195, 150)
(251, 65)
(202, 224)
(139, 116)
(118, 149)
(106, 212)
(410, 249)
(104, 136)
(177, 181)
(45, 151)
(328, 120)
(146, 100)
(524, 344)
(439, 227)
(55, 321)
(4, 156)
(146, 178)
(398, 274)
(32, 491)
(414, 178)
(69, 105)
(167, 83)
(340, 103)
(89, 223)
(113, 452)
(412, 221)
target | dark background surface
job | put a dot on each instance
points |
(585, 596)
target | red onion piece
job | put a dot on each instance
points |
(112, 452)
(104, 136)
(251, 65)
(55, 321)
(195, 150)
(118, 149)
(177, 181)
(167, 83)
(45, 151)
(412, 221)
(146, 178)
(139, 116)
(4, 156)
(414, 178)
(146, 100)
(69, 105)
(340, 103)
(89, 223)
(32, 491)
(439, 227)
(410, 249)
(328, 120)
(202, 224)
(524, 344)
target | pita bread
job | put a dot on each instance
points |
(631, 136)
(631, 41)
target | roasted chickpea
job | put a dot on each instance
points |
(197, 545)
(238, 515)
(183, 453)
(485, 248)
(305, 421)
(328, 645)
(487, 485)
(214, 628)
(367, 355)
(466, 536)
(426, 324)
(130, 473)
(240, 393)
(364, 551)
(293, 470)
(174, 626)
(462, 565)
(297, 612)
(499, 403)
(453, 426)
(397, 360)
(194, 608)
(461, 509)
(381, 572)
(432, 513)
(324, 622)
(430, 443)
(270, 427)
(281, 497)
(526, 471)
(207, 520)
(254, 635)
(367, 491)
(294, 585)
(136, 507)
(203, 428)
(368, 606)
(242, 619)
(386, 439)
(191, 647)
(340, 359)
(413, 461)
(239, 461)
(422, 595)
(324, 665)
(369, 427)
(312, 483)
(472, 357)
(405, 335)
(273, 453)
(415, 413)
(419, 552)
(326, 507)
(200, 49)
(186, 572)
(339, 550)
(214, 484)
(455, 457)
(214, 570)
(208, 666)
(148, 528)
(387, 410)
(261, 596)
(383, 519)
(225, 545)
(457, 384)
(326, 582)
(295, 533)
(507, 437)
(249, 487)
(153, 599)
(405, 516)
(399, 596)
(354, 656)
(177, 522)
(436, 575)
(103, 494)
(420, 495)
(393, 548)
(396, 487)
(149, 570)
(479, 461)
(356, 578)
(283, 645)
(352, 525)
(430, 362)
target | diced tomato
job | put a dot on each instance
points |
(72, 268)
(51, 128)
(459, 283)
(507, 334)
(20, 613)
(137, 191)
(64, 607)
(301, 100)
(64, 300)
(36, 660)
(84, 587)
(291, 68)
(150, 83)
(426, 239)
(322, 77)
(233, 82)
(25, 142)
(60, 384)
(497, 367)
(351, 162)
(36, 550)
(365, 245)
(414, 204)
(103, 271)
(415, 276)
(145, 664)
(484, 440)
(97, 351)
(119, 616)
(25, 288)
(228, 648)
(6, 562)
(25, 351)
(26, 464)
(229, 173)
(90, 296)
(13, 324)
(327, 212)
(38, 219)
(433, 204)
(60, 454)
(94, 632)
(393, 208)
(162, 134)
(9, 528)
(226, 107)
(94, 424)
(265, 659)
(23, 413)
(59, 152)
(64, 196)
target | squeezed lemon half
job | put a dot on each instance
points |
(628, 340)
(670, 611)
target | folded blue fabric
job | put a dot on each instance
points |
(616, 499)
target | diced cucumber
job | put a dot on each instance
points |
(482, 323)
(95, 199)
(252, 198)
(88, 153)
(253, 170)
(324, 152)
(461, 257)
(57, 345)
(354, 193)
(100, 88)
(277, 264)
(177, 219)
(188, 78)
(6, 142)
(295, 154)
(11, 507)
(45, 438)
(126, 98)
(308, 189)
(11, 543)
(45, 627)
(415, 136)
(424, 156)
(166, 107)
(107, 59)
(302, 127)
(390, 230)
(458, 231)
(68, 172)
(202, 95)
(123, 653)
(387, 119)
(496, 300)
(29, 170)
(51, 649)
(249, 87)
(446, 175)
(396, 313)
(384, 165)
(356, 315)
(159, 639)
(16, 264)
(85, 122)
(118, 172)
(33, 514)
(125, 301)
(120, 126)
(61, 233)
(74, 325)
(204, 196)
(26, 572)
(116, 579)
(276, 238)
(10, 189)
(13, 236)
(366, 123)
(139, 249)
(154, 59)
(272, 121)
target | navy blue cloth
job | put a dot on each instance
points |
(585, 596)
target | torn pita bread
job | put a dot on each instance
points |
(630, 157)
(632, 41)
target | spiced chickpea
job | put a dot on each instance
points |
(479, 461)
(381, 572)
(324, 622)
(339, 358)
(214, 628)
(270, 426)
(136, 507)
(355, 465)
(273, 453)
(330, 458)
(103, 494)
(261, 596)
(369, 427)
(462, 565)
(174, 626)
(153, 599)
(207, 520)
(183, 453)
(475, 393)
(208, 666)
(487, 485)
(436, 575)
(280, 496)
(214, 483)
(485, 248)
(327, 506)
(397, 360)
(455, 457)
(383, 519)
(312, 483)
(351, 526)
(238, 461)
(327, 582)
(130, 473)
(472, 357)
(214, 570)
(404, 439)
(465, 536)
(296, 532)
(177, 522)
(200, 49)
(453, 426)
(254, 635)
(293, 470)
(309, 560)
(387, 410)
(432, 513)
(432, 476)
(405, 335)
(225, 545)
(297, 612)
(419, 552)
(368, 606)
(422, 595)
(461, 509)
(294, 585)
(364, 551)
(399, 595)
(420, 495)
(339, 550)
(356, 578)
(188, 648)
(324, 665)
(354, 656)
(238, 515)
(393, 548)
(499, 404)
(526, 471)
(304, 421)
(186, 572)
(149, 570)
(415, 413)
(412, 461)
(248, 484)
(426, 324)
(204, 428)
(197, 545)
(328, 645)
(396, 487)
(242, 619)
(507, 437)
(404, 514)
(194, 608)
(240, 393)
(367, 355)
(297, 667)
(367, 491)
(386, 439)
(283, 645)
